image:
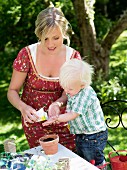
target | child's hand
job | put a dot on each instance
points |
(50, 121)
(54, 109)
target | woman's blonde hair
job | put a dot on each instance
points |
(47, 19)
(75, 69)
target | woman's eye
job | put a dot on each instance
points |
(46, 39)
(56, 38)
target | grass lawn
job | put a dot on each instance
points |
(10, 122)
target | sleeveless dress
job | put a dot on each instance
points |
(40, 91)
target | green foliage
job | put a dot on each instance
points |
(17, 23)
(115, 86)
(119, 58)
(110, 9)
(102, 25)
(17, 20)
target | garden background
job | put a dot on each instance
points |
(17, 26)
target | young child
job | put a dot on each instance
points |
(83, 113)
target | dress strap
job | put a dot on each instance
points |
(69, 52)
(31, 60)
(74, 52)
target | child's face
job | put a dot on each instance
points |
(74, 88)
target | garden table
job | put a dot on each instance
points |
(76, 162)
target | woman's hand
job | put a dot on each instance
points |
(29, 114)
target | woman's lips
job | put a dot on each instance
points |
(51, 49)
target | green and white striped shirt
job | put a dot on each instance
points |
(87, 105)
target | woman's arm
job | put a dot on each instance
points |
(16, 83)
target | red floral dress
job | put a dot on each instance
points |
(40, 92)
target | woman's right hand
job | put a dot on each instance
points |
(29, 114)
(17, 80)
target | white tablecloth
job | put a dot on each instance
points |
(76, 162)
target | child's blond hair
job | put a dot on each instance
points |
(75, 69)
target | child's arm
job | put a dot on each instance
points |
(61, 118)
(67, 117)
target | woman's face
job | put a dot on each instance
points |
(53, 40)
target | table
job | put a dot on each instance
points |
(76, 162)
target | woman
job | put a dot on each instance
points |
(36, 68)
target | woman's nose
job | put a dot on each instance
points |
(50, 43)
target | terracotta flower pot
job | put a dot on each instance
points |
(49, 143)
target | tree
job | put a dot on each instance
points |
(96, 53)
(17, 26)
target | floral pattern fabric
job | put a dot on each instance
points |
(40, 92)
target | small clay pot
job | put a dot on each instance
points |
(49, 143)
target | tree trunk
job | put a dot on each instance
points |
(96, 54)
(86, 25)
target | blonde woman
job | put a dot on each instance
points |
(36, 69)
